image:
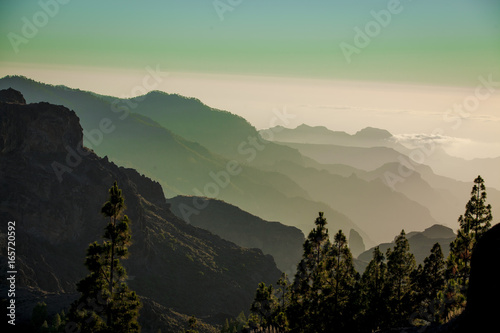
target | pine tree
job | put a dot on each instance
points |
(283, 296)
(341, 281)
(106, 303)
(264, 305)
(373, 307)
(477, 217)
(473, 224)
(310, 280)
(433, 279)
(400, 265)
(283, 291)
(429, 281)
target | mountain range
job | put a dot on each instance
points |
(204, 190)
(330, 147)
(195, 150)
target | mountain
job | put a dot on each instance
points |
(172, 265)
(219, 131)
(373, 206)
(323, 144)
(444, 197)
(283, 242)
(356, 243)
(268, 180)
(364, 158)
(464, 170)
(421, 243)
(181, 166)
(369, 136)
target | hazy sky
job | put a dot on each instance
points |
(346, 64)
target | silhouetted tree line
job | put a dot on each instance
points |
(328, 295)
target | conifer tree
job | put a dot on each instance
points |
(473, 224)
(373, 306)
(264, 305)
(433, 278)
(477, 217)
(310, 280)
(106, 304)
(341, 282)
(400, 265)
(283, 297)
(284, 292)
(429, 281)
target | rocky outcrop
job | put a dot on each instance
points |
(11, 96)
(40, 127)
(54, 189)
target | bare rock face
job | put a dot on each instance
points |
(11, 96)
(39, 127)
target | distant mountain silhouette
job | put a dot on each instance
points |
(368, 136)
(434, 156)
(376, 208)
(364, 158)
(421, 243)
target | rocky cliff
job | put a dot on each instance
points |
(54, 188)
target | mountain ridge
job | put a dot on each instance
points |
(171, 262)
(182, 166)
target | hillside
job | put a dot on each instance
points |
(284, 243)
(381, 206)
(220, 131)
(173, 264)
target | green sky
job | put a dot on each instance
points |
(448, 42)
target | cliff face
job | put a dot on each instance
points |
(39, 127)
(54, 189)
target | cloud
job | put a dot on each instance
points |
(419, 139)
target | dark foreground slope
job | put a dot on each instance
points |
(483, 307)
(172, 264)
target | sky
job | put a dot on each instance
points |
(402, 65)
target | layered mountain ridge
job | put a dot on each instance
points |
(172, 264)
(224, 158)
